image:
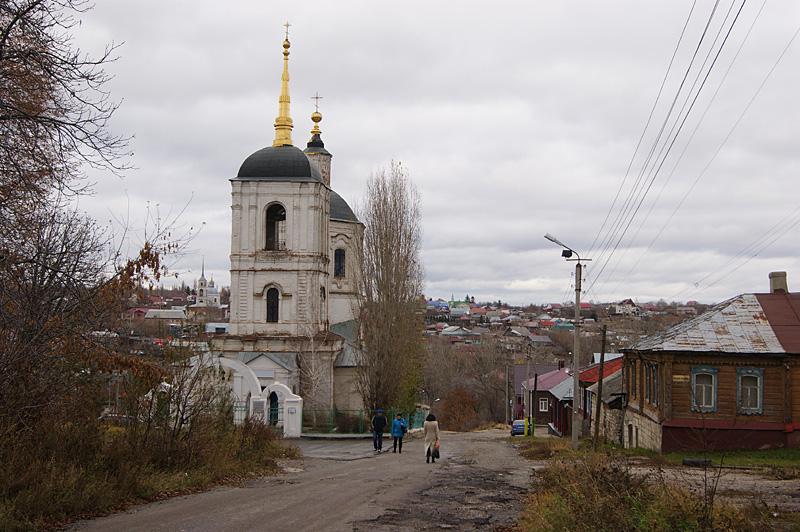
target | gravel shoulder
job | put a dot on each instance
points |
(341, 485)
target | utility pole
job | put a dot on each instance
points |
(505, 408)
(533, 399)
(600, 388)
(576, 356)
(527, 400)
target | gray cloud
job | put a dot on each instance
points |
(514, 121)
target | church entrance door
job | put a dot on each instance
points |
(273, 408)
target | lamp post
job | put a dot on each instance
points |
(576, 416)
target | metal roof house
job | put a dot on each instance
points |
(726, 379)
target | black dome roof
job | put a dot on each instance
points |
(279, 163)
(340, 210)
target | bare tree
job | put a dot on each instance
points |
(443, 369)
(316, 372)
(54, 109)
(486, 365)
(390, 286)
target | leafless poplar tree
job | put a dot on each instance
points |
(390, 287)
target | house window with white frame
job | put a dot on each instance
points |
(704, 389)
(544, 404)
(749, 390)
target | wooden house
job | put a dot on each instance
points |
(726, 379)
(544, 404)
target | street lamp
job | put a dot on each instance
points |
(567, 253)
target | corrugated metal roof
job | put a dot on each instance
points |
(612, 386)
(548, 380)
(592, 373)
(563, 390)
(738, 325)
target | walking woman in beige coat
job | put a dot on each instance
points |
(430, 429)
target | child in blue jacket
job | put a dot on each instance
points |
(398, 431)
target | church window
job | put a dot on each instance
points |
(276, 219)
(272, 305)
(338, 263)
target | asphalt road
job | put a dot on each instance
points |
(343, 485)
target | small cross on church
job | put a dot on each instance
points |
(316, 99)
(287, 25)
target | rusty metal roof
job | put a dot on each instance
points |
(783, 313)
(739, 325)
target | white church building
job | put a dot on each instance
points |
(293, 264)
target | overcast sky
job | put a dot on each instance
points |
(515, 119)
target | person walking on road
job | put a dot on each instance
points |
(378, 424)
(399, 430)
(430, 430)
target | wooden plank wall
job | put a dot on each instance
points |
(774, 388)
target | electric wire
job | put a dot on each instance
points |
(669, 148)
(670, 135)
(646, 126)
(741, 116)
(620, 218)
(680, 159)
(753, 255)
(640, 193)
(749, 249)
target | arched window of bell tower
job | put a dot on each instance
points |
(275, 228)
(272, 305)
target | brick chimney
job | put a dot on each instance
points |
(777, 283)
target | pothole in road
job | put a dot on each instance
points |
(459, 497)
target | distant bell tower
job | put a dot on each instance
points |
(315, 149)
(202, 286)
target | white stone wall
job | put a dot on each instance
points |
(610, 422)
(343, 304)
(646, 432)
(298, 272)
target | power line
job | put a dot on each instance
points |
(753, 255)
(672, 129)
(683, 152)
(752, 246)
(666, 153)
(607, 241)
(646, 125)
(741, 116)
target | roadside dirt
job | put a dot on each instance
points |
(479, 488)
(342, 485)
(740, 486)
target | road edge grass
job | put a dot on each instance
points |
(587, 490)
(64, 488)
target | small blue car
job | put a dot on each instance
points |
(518, 427)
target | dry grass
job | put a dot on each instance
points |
(74, 470)
(543, 448)
(598, 492)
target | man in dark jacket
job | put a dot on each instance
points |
(378, 424)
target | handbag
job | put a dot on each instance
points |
(435, 452)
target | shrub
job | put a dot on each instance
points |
(75, 468)
(459, 411)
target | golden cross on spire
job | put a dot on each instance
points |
(316, 99)
(287, 25)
